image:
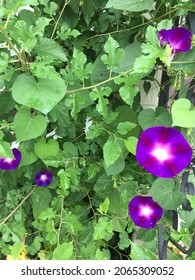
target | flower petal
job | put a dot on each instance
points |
(179, 39)
(144, 211)
(43, 178)
(11, 163)
(163, 151)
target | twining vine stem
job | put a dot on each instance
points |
(18, 206)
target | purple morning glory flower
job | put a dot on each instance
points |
(11, 163)
(43, 178)
(178, 38)
(163, 151)
(144, 211)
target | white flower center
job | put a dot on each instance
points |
(160, 154)
(43, 177)
(146, 211)
(8, 160)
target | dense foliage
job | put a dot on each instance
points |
(79, 81)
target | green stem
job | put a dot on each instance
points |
(99, 84)
(9, 42)
(17, 207)
(60, 15)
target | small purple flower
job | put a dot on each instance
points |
(11, 163)
(144, 211)
(43, 178)
(163, 151)
(178, 38)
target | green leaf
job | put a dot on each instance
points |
(5, 150)
(132, 51)
(130, 5)
(40, 200)
(138, 252)
(100, 94)
(166, 193)
(103, 229)
(148, 118)
(27, 126)
(48, 47)
(165, 24)
(15, 250)
(28, 154)
(70, 150)
(104, 206)
(191, 199)
(182, 113)
(131, 144)
(114, 53)
(151, 35)
(116, 167)
(124, 240)
(45, 149)
(129, 90)
(89, 10)
(42, 95)
(80, 68)
(63, 251)
(184, 61)
(188, 217)
(6, 102)
(124, 127)
(146, 235)
(4, 60)
(112, 151)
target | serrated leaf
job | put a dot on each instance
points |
(112, 151)
(124, 127)
(42, 95)
(166, 194)
(104, 206)
(114, 53)
(138, 252)
(151, 35)
(48, 47)
(27, 126)
(63, 251)
(182, 113)
(130, 5)
(103, 229)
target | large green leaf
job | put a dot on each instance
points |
(130, 5)
(40, 200)
(103, 229)
(138, 252)
(132, 51)
(45, 149)
(63, 252)
(28, 126)
(148, 118)
(42, 95)
(166, 193)
(112, 151)
(48, 47)
(182, 114)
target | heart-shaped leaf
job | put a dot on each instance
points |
(45, 150)
(181, 113)
(42, 95)
(28, 127)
